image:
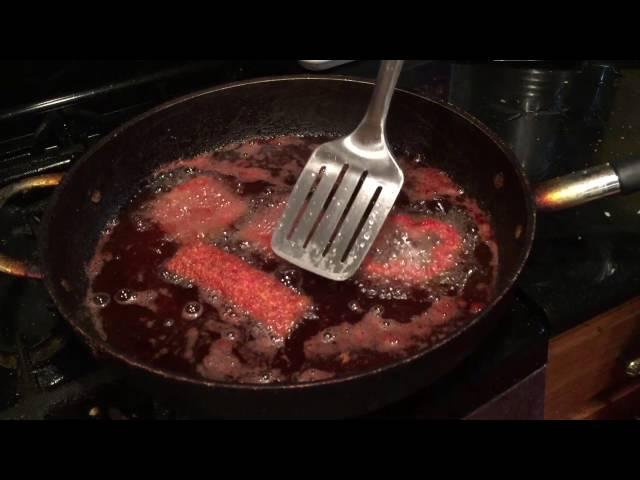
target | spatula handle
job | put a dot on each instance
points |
(371, 129)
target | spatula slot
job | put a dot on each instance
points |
(326, 204)
(364, 218)
(305, 204)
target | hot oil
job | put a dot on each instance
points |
(173, 325)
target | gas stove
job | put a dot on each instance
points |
(556, 117)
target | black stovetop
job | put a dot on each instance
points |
(557, 117)
(558, 120)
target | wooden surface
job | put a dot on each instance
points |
(622, 404)
(588, 361)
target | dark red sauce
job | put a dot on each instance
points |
(429, 272)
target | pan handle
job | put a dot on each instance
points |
(620, 176)
(12, 266)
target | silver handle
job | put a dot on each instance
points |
(618, 176)
(371, 129)
(577, 188)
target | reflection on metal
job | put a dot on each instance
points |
(524, 105)
(633, 368)
(549, 115)
(577, 188)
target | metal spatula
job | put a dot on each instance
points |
(344, 193)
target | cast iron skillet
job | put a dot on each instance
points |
(449, 138)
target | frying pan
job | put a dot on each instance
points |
(448, 138)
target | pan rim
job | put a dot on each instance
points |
(103, 347)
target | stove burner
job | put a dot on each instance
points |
(37, 355)
(31, 333)
(32, 336)
(45, 372)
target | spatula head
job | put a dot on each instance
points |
(337, 208)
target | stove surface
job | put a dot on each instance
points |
(556, 117)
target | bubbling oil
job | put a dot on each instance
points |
(230, 198)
